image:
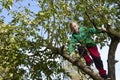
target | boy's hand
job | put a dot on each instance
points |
(102, 29)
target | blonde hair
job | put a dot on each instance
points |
(73, 22)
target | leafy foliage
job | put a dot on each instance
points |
(24, 52)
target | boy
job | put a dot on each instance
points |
(82, 35)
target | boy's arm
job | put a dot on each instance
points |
(94, 30)
(71, 45)
(98, 30)
(101, 29)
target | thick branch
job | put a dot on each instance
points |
(114, 33)
(76, 62)
(81, 66)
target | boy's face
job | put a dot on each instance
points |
(74, 27)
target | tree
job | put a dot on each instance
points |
(32, 42)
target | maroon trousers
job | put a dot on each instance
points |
(95, 58)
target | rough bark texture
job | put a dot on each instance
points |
(111, 57)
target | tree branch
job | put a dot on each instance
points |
(109, 29)
(90, 20)
(76, 62)
(113, 32)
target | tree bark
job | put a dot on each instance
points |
(111, 57)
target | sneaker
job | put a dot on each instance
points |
(91, 67)
(106, 77)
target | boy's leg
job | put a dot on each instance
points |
(83, 52)
(97, 60)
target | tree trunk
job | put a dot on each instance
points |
(111, 57)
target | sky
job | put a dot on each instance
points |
(103, 51)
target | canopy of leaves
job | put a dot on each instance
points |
(25, 40)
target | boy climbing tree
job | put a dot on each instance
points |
(81, 34)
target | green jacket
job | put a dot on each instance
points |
(83, 37)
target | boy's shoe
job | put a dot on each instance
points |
(106, 77)
(91, 67)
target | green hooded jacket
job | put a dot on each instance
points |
(83, 37)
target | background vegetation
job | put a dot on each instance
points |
(32, 39)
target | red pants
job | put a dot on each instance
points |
(96, 58)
